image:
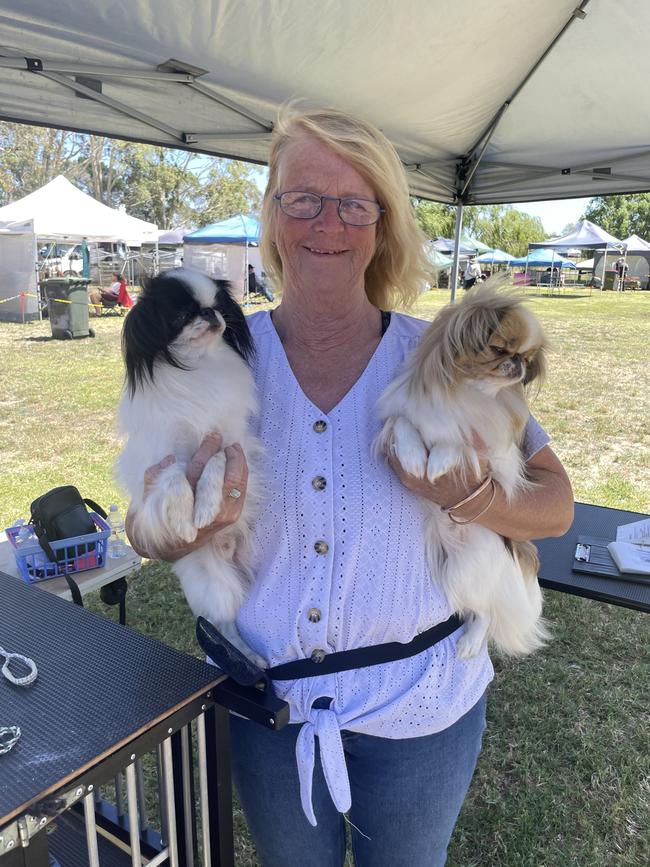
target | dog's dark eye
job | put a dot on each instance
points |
(499, 350)
(185, 317)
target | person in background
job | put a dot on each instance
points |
(117, 294)
(339, 559)
(621, 267)
(252, 280)
(472, 273)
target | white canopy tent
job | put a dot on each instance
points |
(60, 211)
(463, 90)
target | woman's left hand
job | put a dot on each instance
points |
(541, 509)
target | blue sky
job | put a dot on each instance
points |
(556, 214)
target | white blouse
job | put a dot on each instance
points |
(340, 564)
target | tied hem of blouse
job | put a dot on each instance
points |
(324, 724)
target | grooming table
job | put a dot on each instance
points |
(105, 695)
(557, 555)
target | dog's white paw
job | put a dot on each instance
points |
(209, 490)
(441, 460)
(179, 505)
(473, 639)
(409, 449)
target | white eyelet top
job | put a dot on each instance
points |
(340, 563)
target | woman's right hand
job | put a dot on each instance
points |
(235, 477)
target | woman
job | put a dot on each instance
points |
(340, 562)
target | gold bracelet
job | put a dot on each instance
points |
(481, 513)
(468, 499)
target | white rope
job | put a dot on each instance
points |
(11, 677)
(9, 737)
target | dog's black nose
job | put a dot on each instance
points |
(208, 313)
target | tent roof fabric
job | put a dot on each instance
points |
(438, 259)
(584, 236)
(446, 245)
(60, 211)
(474, 243)
(173, 236)
(635, 244)
(548, 107)
(234, 230)
(495, 257)
(543, 259)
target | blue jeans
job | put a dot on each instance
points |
(406, 795)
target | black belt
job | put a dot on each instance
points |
(362, 657)
(233, 663)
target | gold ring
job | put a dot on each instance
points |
(235, 493)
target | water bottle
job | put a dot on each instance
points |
(116, 544)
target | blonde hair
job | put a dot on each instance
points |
(399, 267)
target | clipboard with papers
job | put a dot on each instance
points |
(592, 557)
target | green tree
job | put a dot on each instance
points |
(505, 228)
(158, 184)
(621, 216)
(498, 226)
(31, 156)
(230, 189)
(435, 219)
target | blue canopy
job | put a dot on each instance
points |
(495, 257)
(234, 230)
(543, 259)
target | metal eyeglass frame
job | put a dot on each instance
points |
(340, 200)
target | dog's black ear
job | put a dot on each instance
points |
(146, 335)
(237, 334)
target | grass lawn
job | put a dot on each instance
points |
(564, 779)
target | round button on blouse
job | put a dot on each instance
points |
(321, 547)
(319, 483)
(314, 615)
(320, 426)
(318, 655)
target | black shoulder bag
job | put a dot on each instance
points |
(61, 514)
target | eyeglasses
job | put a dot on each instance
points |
(306, 206)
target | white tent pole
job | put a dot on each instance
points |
(454, 267)
(602, 285)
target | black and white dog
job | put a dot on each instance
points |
(186, 347)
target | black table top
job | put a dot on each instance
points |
(99, 684)
(556, 557)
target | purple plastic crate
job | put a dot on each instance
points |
(77, 554)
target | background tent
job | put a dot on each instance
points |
(174, 237)
(60, 211)
(584, 236)
(439, 260)
(235, 230)
(479, 246)
(223, 250)
(448, 245)
(496, 257)
(637, 259)
(543, 259)
(18, 275)
(587, 236)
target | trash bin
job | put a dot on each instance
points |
(67, 304)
